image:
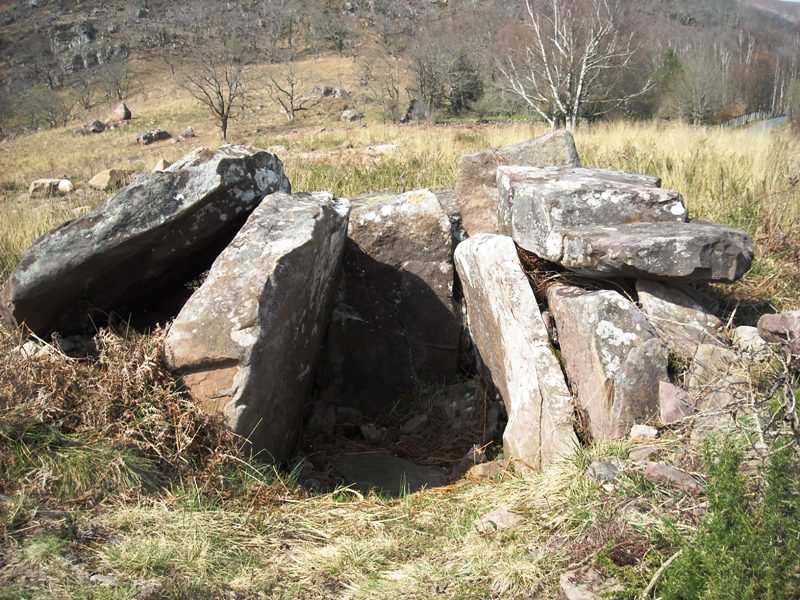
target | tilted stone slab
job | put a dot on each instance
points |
(248, 341)
(514, 347)
(161, 228)
(395, 328)
(536, 204)
(476, 185)
(695, 251)
(681, 321)
(613, 357)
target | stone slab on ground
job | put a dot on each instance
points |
(154, 232)
(613, 357)
(514, 347)
(248, 341)
(395, 325)
(694, 251)
(387, 474)
(476, 185)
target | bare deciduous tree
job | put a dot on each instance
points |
(286, 90)
(571, 57)
(217, 81)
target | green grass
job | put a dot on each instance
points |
(748, 545)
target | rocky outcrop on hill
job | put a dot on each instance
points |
(155, 233)
(248, 341)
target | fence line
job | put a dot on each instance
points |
(756, 116)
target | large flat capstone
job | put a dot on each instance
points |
(613, 358)
(535, 202)
(248, 341)
(510, 337)
(476, 186)
(164, 228)
(395, 328)
(695, 251)
(615, 224)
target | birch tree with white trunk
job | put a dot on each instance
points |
(571, 58)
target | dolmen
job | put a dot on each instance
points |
(276, 302)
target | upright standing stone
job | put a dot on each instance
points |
(613, 357)
(153, 234)
(514, 347)
(248, 341)
(394, 327)
(476, 185)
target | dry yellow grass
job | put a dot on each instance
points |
(741, 178)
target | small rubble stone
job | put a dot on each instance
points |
(161, 165)
(43, 188)
(642, 453)
(150, 137)
(188, 134)
(748, 340)
(110, 179)
(65, 186)
(415, 424)
(488, 470)
(373, 434)
(674, 403)
(660, 473)
(587, 583)
(644, 432)
(351, 115)
(120, 113)
(781, 328)
(95, 126)
(105, 580)
(498, 520)
(602, 471)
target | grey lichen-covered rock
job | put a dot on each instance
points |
(615, 224)
(395, 327)
(696, 251)
(248, 341)
(476, 186)
(682, 322)
(613, 357)
(514, 347)
(536, 204)
(164, 227)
